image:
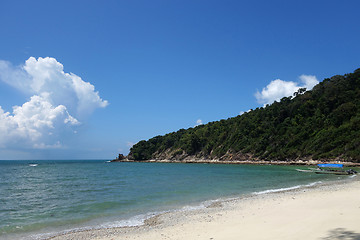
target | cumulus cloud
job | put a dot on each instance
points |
(42, 75)
(278, 89)
(57, 101)
(34, 122)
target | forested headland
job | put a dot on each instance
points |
(321, 124)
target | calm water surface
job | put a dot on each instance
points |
(40, 197)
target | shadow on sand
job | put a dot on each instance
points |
(342, 233)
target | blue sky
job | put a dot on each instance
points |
(90, 78)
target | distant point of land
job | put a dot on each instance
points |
(311, 126)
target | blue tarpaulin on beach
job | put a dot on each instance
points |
(331, 165)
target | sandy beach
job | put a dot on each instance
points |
(329, 211)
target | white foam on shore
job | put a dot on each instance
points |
(140, 219)
(201, 205)
(286, 189)
(135, 221)
(131, 222)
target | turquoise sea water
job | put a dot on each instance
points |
(42, 198)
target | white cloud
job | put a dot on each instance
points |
(89, 100)
(242, 112)
(34, 122)
(309, 80)
(199, 122)
(57, 101)
(47, 75)
(278, 89)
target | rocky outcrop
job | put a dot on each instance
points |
(119, 158)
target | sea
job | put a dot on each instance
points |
(40, 199)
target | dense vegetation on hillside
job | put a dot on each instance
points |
(323, 123)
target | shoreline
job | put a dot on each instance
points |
(250, 162)
(248, 211)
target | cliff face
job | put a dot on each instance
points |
(320, 124)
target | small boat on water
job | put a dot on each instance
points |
(33, 164)
(329, 168)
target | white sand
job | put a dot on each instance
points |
(325, 212)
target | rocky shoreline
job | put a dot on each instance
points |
(255, 162)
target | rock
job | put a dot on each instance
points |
(120, 158)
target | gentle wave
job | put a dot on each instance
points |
(137, 220)
(140, 219)
(134, 221)
(286, 189)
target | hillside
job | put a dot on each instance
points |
(323, 123)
